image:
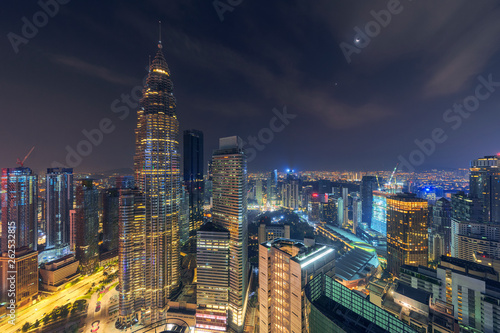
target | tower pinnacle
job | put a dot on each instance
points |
(159, 39)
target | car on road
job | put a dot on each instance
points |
(95, 326)
(98, 306)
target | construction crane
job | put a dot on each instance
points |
(21, 163)
(393, 172)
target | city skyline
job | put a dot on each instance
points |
(355, 186)
(307, 58)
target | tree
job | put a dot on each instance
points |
(26, 327)
(37, 323)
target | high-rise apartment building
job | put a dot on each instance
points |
(19, 195)
(407, 232)
(59, 202)
(485, 185)
(157, 176)
(193, 177)
(87, 225)
(229, 167)
(212, 287)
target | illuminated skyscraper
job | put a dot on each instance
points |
(87, 225)
(229, 166)
(368, 185)
(379, 215)
(110, 218)
(285, 266)
(193, 177)
(272, 188)
(258, 192)
(485, 185)
(19, 194)
(157, 176)
(212, 288)
(59, 201)
(290, 193)
(131, 253)
(407, 232)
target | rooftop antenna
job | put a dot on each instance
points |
(159, 40)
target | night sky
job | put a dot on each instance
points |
(229, 75)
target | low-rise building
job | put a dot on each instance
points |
(55, 274)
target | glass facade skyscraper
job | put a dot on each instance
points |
(87, 225)
(407, 232)
(485, 185)
(19, 198)
(368, 185)
(157, 177)
(193, 177)
(229, 166)
(59, 202)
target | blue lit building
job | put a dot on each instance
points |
(19, 195)
(379, 218)
(59, 201)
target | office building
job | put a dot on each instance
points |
(379, 214)
(19, 197)
(229, 167)
(55, 274)
(110, 217)
(290, 193)
(193, 177)
(59, 202)
(368, 185)
(485, 185)
(184, 216)
(285, 266)
(441, 223)
(272, 188)
(212, 288)
(132, 258)
(268, 232)
(356, 213)
(407, 234)
(87, 225)
(465, 208)
(26, 282)
(329, 211)
(332, 307)
(258, 192)
(157, 176)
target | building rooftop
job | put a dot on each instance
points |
(355, 264)
(212, 227)
(304, 255)
(420, 296)
(466, 265)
